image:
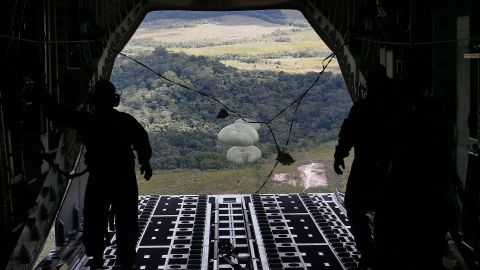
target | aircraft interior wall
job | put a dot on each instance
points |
(63, 46)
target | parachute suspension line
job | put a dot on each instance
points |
(268, 177)
(298, 101)
(282, 157)
(191, 89)
(300, 98)
(243, 117)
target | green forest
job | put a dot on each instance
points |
(183, 125)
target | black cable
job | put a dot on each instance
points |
(56, 166)
(184, 85)
(330, 57)
(268, 177)
(303, 94)
(49, 42)
(65, 173)
(432, 42)
(244, 118)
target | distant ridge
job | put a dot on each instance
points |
(272, 16)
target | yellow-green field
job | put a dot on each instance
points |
(306, 39)
(239, 35)
(218, 29)
(237, 181)
(289, 65)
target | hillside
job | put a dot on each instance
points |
(183, 124)
(252, 40)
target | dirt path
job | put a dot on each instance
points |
(313, 175)
(310, 175)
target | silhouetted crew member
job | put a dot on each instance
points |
(362, 130)
(416, 208)
(109, 136)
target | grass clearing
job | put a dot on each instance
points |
(257, 47)
(240, 181)
(289, 65)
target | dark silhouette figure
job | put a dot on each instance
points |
(364, 130)
(109, 136)
(416, 204)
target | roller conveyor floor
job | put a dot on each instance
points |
(270, 231)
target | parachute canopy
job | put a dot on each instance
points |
(238, 134)
(243, 155)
